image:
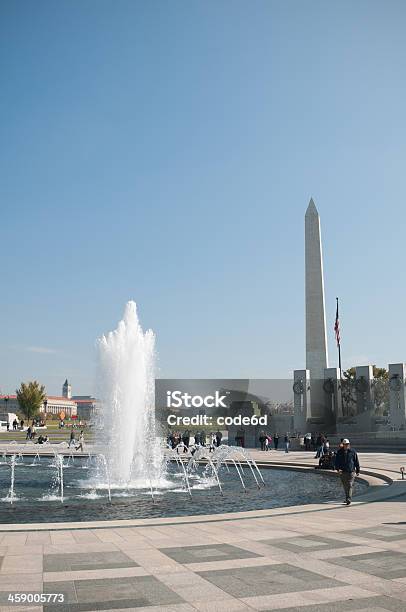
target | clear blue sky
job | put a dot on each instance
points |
(166, 152)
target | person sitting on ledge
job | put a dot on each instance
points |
(326, 461)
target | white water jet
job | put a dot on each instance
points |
(11, 494)
(126, 390)
(106, 470)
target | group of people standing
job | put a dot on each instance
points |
(319, 444)
(266, 439)
(16, 425)
(322, 446)
(31, 429)
(176, 439)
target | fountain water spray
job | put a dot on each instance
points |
(127, 397)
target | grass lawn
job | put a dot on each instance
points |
(55, 434)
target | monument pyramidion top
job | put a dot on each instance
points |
(311, 209)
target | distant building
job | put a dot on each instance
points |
(67, 390)
(55, 404)
(87, 406)
(82, 406)
(52, 405)
(8, 404)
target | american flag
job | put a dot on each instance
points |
(337, 327)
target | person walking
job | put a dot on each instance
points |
(72, 439)
(276, 441)
(28, 436)
(262, 438)
(347, 465)
(81, 441)
(219, 437)
(287, 443)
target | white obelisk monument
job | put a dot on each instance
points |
(316, 341)
(311, 412)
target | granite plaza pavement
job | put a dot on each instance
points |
(314, 558)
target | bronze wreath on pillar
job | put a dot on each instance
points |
(395, 383)
(328, 386)
(361, 385)
(298, 387)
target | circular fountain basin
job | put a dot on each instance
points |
(37, 493)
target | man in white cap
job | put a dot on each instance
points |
(347, 465)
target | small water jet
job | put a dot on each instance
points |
(107, 473)
(185, 473)
(11, 494)
(59, 474)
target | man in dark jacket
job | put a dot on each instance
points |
(347, 465)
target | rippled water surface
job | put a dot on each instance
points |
(37, 493)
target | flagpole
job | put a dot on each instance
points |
(339, 348)
(338, 344)
(338, 338)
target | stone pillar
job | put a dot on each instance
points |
(301, 391)
(332, 388)
(397, 395)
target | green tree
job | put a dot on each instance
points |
(348, 392)
(381, 391)
(30, 397)
(380, 387)
(378, 373)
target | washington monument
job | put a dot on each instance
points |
(316, 341)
